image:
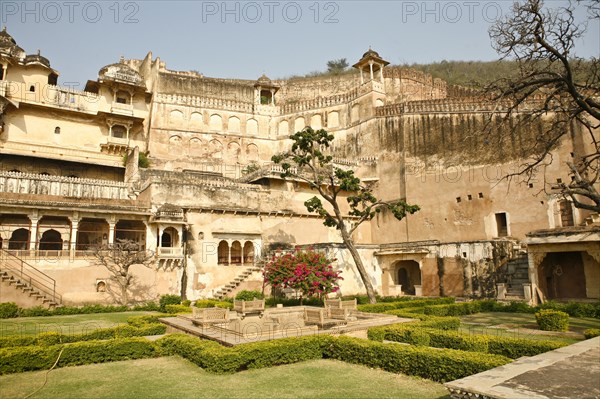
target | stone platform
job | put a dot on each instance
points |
(569, 372)
(255, 329)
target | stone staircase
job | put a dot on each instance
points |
(32, 286)
(233, 284)
(517, 275)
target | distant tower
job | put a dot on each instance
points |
(371, 65)
(264, 91)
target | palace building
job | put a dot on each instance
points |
(210, 203)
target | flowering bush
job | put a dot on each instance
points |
(307, 271)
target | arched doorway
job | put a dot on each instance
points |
(223, 253)
(249, 253)
(19, 239)
(236, 253)
(51, 241)
(408, 275)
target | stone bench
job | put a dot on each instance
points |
(209, 316)
(256, 306)
(322, 317)
(350, 305)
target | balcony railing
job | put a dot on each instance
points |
(122, 109)
(169, 251)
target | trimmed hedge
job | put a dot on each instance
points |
(168, 300)
(591, 333)
(172, 309)
(211, 303)
(29, 358)
(454, 309)
(552, 320)
(439, 365)
(387, 306)
(509, 347)
(214, 357)
(54, 338)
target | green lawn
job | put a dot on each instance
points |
(520, 324)
(72, 324)
(173, 377)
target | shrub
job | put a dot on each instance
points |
(211, 303)
(455, 309)
(168, 300)
(307, 271)
(246, 295)
(273, 301)
(8, 310)
(187, 302)
(27, 358)
(172, 309)
(35, 311)
(591, 333)
(149, 307)
(552, 320)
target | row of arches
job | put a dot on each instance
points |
(57, 233)
(216, 123)
(199, 147)
(236, 253)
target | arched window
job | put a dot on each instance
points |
(32, 88)
(57, 130)
(249, 253)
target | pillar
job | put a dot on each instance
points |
(33, 234)
(371, 69)
(229, 242)
(362, 79)
(73, 238)
(111, 232)
(272, 96)
(381, 73)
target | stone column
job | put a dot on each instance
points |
(362, 79)
(371, 69)
(229, 242)
(381, 73)
(33, 234)
(111, 232)
(272, 96)
(73, 238)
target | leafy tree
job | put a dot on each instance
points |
(337, 66)
(308, 162)
(118, 258)
(308, 271)
(552, 84)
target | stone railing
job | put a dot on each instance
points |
(206, 102)
(62, 97)
(320, 102)
(442, 106)
(169, 251)
(29, 183)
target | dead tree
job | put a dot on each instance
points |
(552, 88)
(118, 259)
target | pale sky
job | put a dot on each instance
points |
(243, 39)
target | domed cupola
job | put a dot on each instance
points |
(8, 46)
(37, 59)
(121, 73)
(265, 90)
(369, 65)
